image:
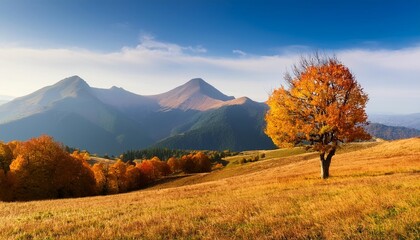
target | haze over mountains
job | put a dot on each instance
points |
(407, 120)
(194, 116)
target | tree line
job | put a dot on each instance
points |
(41, 168)
(165, 154)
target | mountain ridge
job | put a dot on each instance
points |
(115, 120)
(401, 120)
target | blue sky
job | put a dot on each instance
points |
(241, 47)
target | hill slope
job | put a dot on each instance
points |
(391, 132)
(237, 127)
(374, 193)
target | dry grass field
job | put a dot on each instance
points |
(374, 193)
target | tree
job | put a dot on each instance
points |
(133, 178)
(202, 162)
(174, 164)
(43, 169)
(322, 106)
(100, 172)
(119, 169)
(6, 157)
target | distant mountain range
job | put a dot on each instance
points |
(192, 116)
(391, 132)
(407, 120)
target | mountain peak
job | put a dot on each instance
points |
(196, 94)
(197, 81)
(72, 81)
(71, 86)
(198, 85)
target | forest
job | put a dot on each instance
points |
(41, 168)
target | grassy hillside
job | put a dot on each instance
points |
(374, 193)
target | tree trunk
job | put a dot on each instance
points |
(325, 163)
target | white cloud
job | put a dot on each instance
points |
(239, 52)
(391, 77)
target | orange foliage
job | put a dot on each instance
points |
(43, 169)
(323, 106)
(175, 164)
(194, 163)
(13, 146)
(118, 172)
(40, 168)
(153, 169)
(202, 162)
(133, 177)
(6, 157)
(99, 172)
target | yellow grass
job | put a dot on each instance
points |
(374, 193)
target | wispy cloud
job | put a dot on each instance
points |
(239, 52)
(389, 76)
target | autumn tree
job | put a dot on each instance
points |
(100, 171)
(133, 177)
(321, 106)
(118, 171)
(6, 157)
(175, 164)
(202, 162)
(187, 163)
(43, 169)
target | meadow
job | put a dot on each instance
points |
(373, 193)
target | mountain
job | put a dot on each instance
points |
(70, 112)
(238, 127)
(391, 132)
(4, 99)
(194, 115)
(407, 120)
(196, 94)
